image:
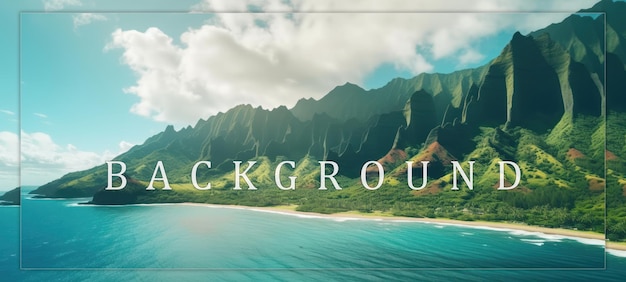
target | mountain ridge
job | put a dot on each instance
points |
(468, 98)
(539, 100)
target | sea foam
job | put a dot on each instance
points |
(617, 253)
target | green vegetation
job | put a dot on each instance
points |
(616, 176)
(539, 103)
(554, 191)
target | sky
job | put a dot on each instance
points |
(97, 77)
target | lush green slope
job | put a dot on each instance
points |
(616, 176)
(554, 191)
(584, 38)
(539, 103)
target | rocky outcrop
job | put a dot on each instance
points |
(11, 197)
(421, 116)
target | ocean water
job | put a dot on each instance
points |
(238, 244)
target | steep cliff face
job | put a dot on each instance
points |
(615, 83)
(534, 83)
(534, 96)
(586, 91)
(583, 37)
(421, 116)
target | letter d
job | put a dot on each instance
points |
(518, 175)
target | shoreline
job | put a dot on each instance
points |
(498, 226)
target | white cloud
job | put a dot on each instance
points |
(40, 115)
(86, 18)
(470, 56)
(8, 149)
(55, 5)
(7, 112)
(9, 160)
(273, 59)
(43, 160)
(123, 146)
(220, 67)
(391, 5)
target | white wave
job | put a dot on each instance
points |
(408, 221)
(300, 215)
(537, 242)
(78, 204)
(342, 219)
(32, 198)
(467, 233)
(534, 240)
(84, 204)
(478, 227)
(586, 241)
(542, 240)
(296, 214)
(519, 233)
(617, 253)
(558, 238)
(149, 205)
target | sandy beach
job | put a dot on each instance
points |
(504, 226)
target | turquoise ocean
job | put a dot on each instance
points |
(65, 241)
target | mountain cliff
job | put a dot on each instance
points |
(537, 102)
(533, 83)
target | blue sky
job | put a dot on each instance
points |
(94, 84)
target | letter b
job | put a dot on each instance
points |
(119, 174)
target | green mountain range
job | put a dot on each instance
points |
(539, 103)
